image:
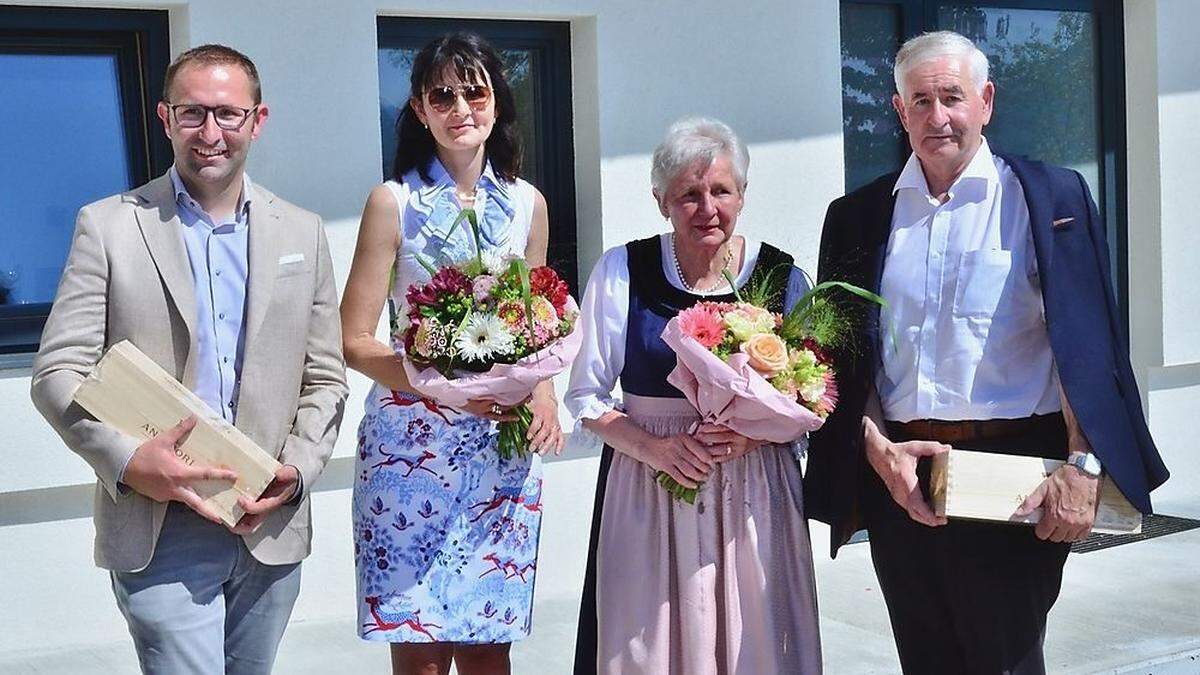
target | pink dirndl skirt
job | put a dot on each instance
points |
(722, 586)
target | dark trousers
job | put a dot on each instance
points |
(968, 597)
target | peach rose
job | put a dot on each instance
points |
(768, 353)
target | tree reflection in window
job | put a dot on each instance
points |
(874, 140)
(1044, 64)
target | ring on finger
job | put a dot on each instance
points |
(496, 409)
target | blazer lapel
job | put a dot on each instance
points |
(876, 231)
(162, 230)
(1040, 202)
(265, 239)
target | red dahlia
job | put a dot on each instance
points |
(545, 281)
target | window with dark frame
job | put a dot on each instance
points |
(537, 57)
(1072, 48)
(80, 86)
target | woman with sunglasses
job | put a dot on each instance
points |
(445, 531)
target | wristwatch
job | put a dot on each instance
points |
(1086, 462)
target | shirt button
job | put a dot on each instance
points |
(225, 359)
(231, 405)
(218, 272)
(221, 315)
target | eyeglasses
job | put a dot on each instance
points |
(443, 98)
(193, 115)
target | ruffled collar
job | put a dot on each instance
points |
(433, 207)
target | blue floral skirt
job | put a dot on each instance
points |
(445, 531)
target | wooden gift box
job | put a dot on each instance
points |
(988, 486)
(131, 393)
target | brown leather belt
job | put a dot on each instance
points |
(958, 431)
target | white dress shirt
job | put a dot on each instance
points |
(965, 334)
(604, 314)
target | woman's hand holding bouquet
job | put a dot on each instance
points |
(490, 329)
(754, 375)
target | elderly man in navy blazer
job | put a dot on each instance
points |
(1001, 334)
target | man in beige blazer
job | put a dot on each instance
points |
(230, 289)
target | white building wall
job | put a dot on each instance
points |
(1163, 95)
(771, 73)
(1178, 103)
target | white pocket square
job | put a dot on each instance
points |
(291, 258)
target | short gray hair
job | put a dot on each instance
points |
(929, 46)
(696, 139)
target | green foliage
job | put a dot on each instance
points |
(766, 289)
(726, 348)
(821, 316)
(822, 319)
(475, 267)
(428, 266)
(512, 439)
(508, 287)
(451, 312)
(678, 491)
(522, 270)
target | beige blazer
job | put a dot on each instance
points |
(127, 277)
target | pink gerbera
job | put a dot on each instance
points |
(702, 325)
(828, 400)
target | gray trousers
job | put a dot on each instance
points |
(205, 604)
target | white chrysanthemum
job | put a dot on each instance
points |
(484, 336)
(495, 263)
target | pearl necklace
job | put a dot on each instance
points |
(683, 280)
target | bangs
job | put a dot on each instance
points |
(468, 68)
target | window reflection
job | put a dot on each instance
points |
(1045, 67)
(873, 138)
(71, 154)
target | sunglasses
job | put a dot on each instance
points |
(442, 98)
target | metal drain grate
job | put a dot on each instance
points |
(1154, 525)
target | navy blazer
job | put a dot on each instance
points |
(1084, 327)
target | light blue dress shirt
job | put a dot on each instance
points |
(219, 257)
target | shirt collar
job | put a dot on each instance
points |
(489, 177)
(981, 170)
(183, 197)
(441, 178)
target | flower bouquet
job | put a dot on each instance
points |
(489, 327)
(759, 373)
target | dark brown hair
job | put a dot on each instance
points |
(465, 53)
(213, 55)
